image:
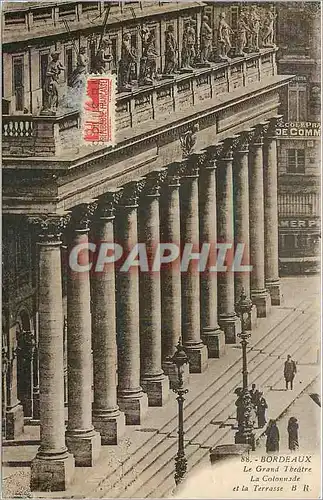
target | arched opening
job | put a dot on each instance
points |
(25, 348)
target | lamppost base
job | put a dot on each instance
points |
(242, 437)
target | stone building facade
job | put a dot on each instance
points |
(195, 162)
(299, 138)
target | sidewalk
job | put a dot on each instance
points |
(143, 462)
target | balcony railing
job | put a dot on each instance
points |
(27, 135)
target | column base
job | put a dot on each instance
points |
(275, 292)
(157, 389)
(51, 474)
(251, 322)
(134, 405)
(231, 326)
(214, 340)
(198, 357)
(84, 446)
(110, 424)
(261, 300)
(171, 370)
(14, 422)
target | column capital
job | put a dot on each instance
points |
(243, 142)
(154, 181)
(82, 215)
(272, 125)
(191, 166)
(259, 131)
(107, 204)
(49, 227)
(228, 147)
(131, 193)
(174, 172)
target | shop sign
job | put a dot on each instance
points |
(298, 129)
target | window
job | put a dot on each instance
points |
(18, 81)
(68, 63)
(289, 242)
(234, 17)
(296, 161)
(297, 102)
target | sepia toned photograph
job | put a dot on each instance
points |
(161, 249)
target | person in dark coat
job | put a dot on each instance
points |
(289, 371)
(272, 433)
(261, 411)
(292, 430)
(254, 394)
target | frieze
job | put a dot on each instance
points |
(184, 86)
(202, 80)
(142, 100)
(161, 94)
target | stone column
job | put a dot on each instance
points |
(228, 320)
(131, 398)
(81, 438)
(107, 418)
(259, 294)
(53, 467)
(171, 304)
(271, 214)
(241, 220)
(212, 336)
(191, 325)
(153, 380)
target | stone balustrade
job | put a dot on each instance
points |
(27, 135)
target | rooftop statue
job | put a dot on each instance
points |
(104, 57)
(77, 79)
(206, 40)
(50, 90)
(126, 64)
(170, 51)
(242, 31)
(269, 28)
(254, 25)
(148, 67)
(224, 38)
(188, 51)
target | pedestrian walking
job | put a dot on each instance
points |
(261, 411)
(272, 441)
(254, 394)
(292, 430)
(289, 371)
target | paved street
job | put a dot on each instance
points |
(142, 465)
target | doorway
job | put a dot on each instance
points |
(18, 82)
(25, 352)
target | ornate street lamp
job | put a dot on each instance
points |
(180, 359)
(245, 433)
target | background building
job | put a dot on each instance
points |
(299, 137)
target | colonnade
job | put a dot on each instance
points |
(125, 325)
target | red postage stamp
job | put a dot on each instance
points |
(99, 110)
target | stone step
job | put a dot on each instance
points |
(226, 431)
(205, 422)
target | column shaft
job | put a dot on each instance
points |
(259, 294)
(191, 326)
(131, 397)
(212, 335)
(52, 469)
(82, 440)
(271, 215)
(153, 379)
(107, 418)
(241, 221)
(228, 320)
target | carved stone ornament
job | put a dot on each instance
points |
(107, 204)
(244, 140)
(191, 167)
(273, 122)
(50, 226)
(174, 172)
(131, 193)
(258, 134)
(188, 140)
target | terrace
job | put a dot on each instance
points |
(144, 108)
